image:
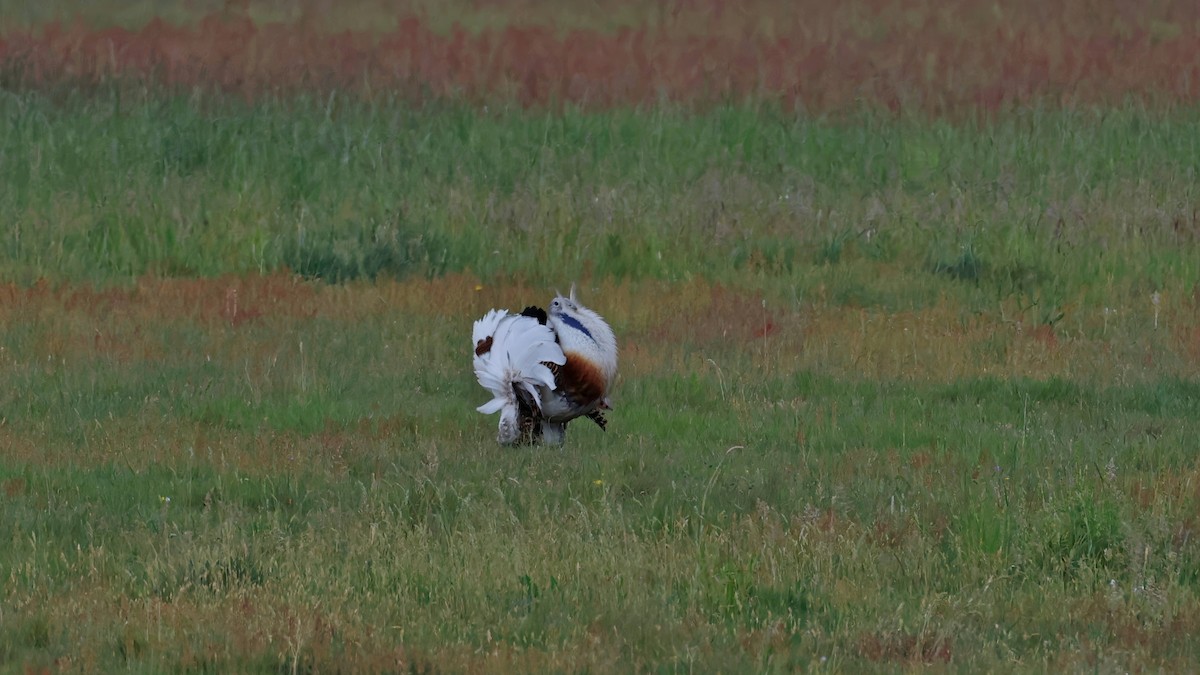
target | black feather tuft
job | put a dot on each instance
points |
(598, 417)
(535, 313)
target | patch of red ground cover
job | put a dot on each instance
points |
(233, 300)
(911, 55)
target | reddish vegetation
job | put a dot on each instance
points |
(720, 314)
(905, 647)
(912, 54)
(229, 299)
(1045, 334)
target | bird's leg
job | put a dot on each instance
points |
(531, 430)
(554, 433)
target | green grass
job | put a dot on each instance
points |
(208, 494)
(1044, 205)
(894, 392)
(368, 15)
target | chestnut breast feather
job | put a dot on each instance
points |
(579, 379)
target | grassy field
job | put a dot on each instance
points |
(897, 390)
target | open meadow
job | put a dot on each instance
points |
(908, 302)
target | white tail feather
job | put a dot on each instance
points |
(486, 326)
(511, 351)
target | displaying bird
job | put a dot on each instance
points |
(545, 369)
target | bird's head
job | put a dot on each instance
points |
(571, 318)
(580, 329)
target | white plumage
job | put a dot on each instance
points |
(544, 369)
